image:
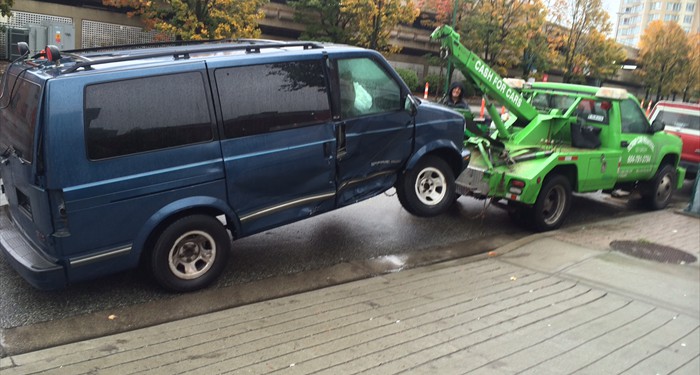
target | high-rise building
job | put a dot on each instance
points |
(635, 15)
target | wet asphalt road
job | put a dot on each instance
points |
(370, 229)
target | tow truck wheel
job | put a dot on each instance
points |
(658, 192)
(552, 205)
(428, 189)
(190, 253)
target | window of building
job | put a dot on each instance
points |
(146, 114)
(690, 7)
(671, 17)
(655, 6)
(272, 97)
(674, 7)
(688, 19)
(654, 17)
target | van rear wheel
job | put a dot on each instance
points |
(190, 253)
(428, 189)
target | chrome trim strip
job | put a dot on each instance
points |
(94, 258)
(283, 206)
(366, 178)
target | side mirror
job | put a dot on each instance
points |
(657, 126)
(411, 105)
(23, 49)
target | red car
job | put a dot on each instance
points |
(683, 120)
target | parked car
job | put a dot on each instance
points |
(111, 159)
(683, 120)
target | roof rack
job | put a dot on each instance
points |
(184, 53)
(173, 43)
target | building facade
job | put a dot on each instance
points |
(635, 15)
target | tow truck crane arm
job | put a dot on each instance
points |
(490, 83)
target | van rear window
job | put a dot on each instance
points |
(146, 114)
(19, 105)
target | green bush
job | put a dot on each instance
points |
(410, 77)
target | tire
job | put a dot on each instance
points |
(552, 204)
(658, 192)
(428, 189)
(190, 253)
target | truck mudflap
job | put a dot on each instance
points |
(471, 182)
(680, 177)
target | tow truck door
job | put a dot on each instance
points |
(636, 143)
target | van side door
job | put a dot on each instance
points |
(277, 139)
(375, 133)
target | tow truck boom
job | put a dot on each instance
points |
(490, 83)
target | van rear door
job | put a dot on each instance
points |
(20, 159)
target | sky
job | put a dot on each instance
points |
(612, 7)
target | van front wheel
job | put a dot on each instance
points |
(428, 189)
(190, 253)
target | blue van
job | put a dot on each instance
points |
(162, 155)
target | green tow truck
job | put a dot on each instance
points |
(560, 138)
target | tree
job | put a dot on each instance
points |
(691, 76)
(365, 23)
(581, 18)
(501, 30)
(5, 6)
(663, 53)
(603, 56)
(198, 19)
(323, 20)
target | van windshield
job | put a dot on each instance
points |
(679, 120)
(19, 104)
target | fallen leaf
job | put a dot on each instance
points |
(112, 317)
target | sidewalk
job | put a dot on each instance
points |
(554, 303)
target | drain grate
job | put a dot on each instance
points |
(652, 251)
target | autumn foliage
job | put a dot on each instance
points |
(197, 19)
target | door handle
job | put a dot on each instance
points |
(624, 144)
(340, 139)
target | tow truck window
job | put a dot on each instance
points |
(593, 111)
(19, 103)
(632, 118)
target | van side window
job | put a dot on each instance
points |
(272, 97)
(632, 118)
(138, 115)
(365, 88)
